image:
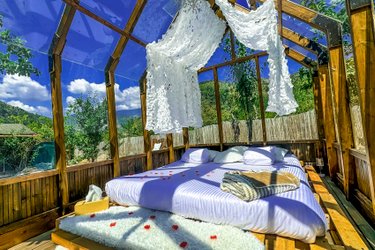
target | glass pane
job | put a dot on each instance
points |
(209, 133)
(155, 19)
(85, 110)
(35, 21)
(300, 125)
(129, 117)
(26, 141)
(239, 102)
(116, 12)
(133, 62)
(89, 43)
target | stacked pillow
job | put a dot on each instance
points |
(249, 155)
(264, 155)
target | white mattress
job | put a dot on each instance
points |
(193, 191)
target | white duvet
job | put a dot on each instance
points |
(193, 191)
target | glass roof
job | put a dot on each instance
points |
(89, 43)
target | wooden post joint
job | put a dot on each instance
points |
(357, 4)
(332, 27)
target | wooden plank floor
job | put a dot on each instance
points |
(40, 242)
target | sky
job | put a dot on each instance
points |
(88, 47)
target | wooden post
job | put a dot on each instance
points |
(361, 16)
(318, 111)
(146, 133)
(232, 46)
(110, 83)
(185, 134)
(328, 120)
(112, 121)
(218, 108)
(261, 101)
(55, 51)
(343, 121)
(170, 147)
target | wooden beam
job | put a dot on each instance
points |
(298, 57)
(324, 23)
(170, 147)
(185, 135)
(146, 133)
(97, 18)
(261, 101)
(218, 108)
(361, 16)
(344, 124)
(328, 120)
(55, 51)
(318, 111)
(112, 122)
(110, 84)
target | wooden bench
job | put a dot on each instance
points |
(341, 233)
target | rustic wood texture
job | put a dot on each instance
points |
(185, 134)
(363, 33)
(218, 108)
(318, 111)
(170, 148)
(344, 229)
(329, 125)
(112, 121)
(22, 230)
(40, 242)
(345, 133)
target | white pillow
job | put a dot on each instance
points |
(279, 153)
(196, 155)
(213, 154)
(240, 149)
(259, 156)
(234, 154)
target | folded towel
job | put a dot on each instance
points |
(252, 185)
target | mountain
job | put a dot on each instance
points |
(123, 115)
(7, 111)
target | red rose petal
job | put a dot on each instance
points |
(92, 216)
(170, 171)
(170, 174)
(130, 213)
(183, 244)
(175, 227)
(147, 227)
(112, 224)
(152, 217)
(213, 237)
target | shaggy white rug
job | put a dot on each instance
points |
(140, 228)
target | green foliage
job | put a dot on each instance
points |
(131, 127)
(16, 59)
(86, 126)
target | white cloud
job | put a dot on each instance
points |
(126, 99)
(22, 88)
(41, 110)
(70, 100)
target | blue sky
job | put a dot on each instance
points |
(89, 45)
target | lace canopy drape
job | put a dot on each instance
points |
(258, 30)
(173, 97)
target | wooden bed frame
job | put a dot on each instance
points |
(341, 233)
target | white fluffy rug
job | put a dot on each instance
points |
(140, 228)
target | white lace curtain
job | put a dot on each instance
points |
(173, 97)
(258, 30)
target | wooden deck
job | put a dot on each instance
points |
(341, 235)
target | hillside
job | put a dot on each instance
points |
(8, 114)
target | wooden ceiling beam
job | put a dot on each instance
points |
(97, 18)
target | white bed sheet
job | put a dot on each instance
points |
(193, 191)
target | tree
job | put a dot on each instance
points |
(88, 117)
(132, 127)
(16, 59)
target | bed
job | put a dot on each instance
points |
(193, 191)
